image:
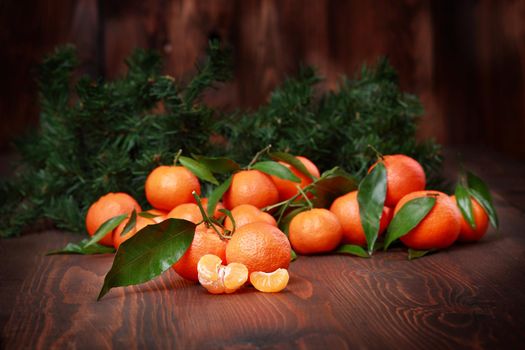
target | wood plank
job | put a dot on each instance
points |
(468, 296)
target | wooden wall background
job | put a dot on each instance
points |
(465, 59)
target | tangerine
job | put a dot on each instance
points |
(186, 211)
(259, 246)
(315, 231)
(439, 228)
(168, 186)
(251, 187)
(403, 176)
(246, 214)
(106, 207)
(217, 214)
(160, 215)
(346, 208)
(481, 219)
(205, 241)
(140, 223)
(287, 189)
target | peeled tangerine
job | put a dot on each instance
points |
(270, 282)
(217, 278)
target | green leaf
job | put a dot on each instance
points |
(106, 228)
(147, 215)
(149, 253)
(353, 249)
(130, 224)
(332, 184)
(80, 248)
(218, 165)
(415, 254)
(408, 217)
(371, 198)
(465, 204)
(480, 191)
(276, 169)
(230, 215)
(293, 255)
(199, 169)
(216, 195)
(292, 160)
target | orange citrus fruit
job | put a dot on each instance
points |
(439, 229)
(141, 222)
(481, 219)
(251, 187)
(259, 246)
(346, 208)
(315, 231)
(168, 186)
(205, 241)
(106, 207)
(246, 214)
(403, 176)
(270, 282)
(287, 189)
(217, 278)
(160, 215)
(186, 211)
(216, 213)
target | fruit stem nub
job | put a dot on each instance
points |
(379, 155)
(310, 205)
(177, 156)
(257, 155)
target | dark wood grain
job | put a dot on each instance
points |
(465, 59)
(469, 296)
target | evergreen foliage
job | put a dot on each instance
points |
(97, 137)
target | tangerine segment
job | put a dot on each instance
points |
(217, 278)
(235, 276)
(208, 271)
(271, 282)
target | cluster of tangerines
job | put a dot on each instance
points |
(244, 243)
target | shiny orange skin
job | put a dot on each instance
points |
(467, 233)
(168, 186)
(205, 241)
(259, 246)
(287, 189)
(106, 207)
(346, 208)
(161, 215)
(315, 231)
(246, 214)
(251, 187)
(139, 225)
(186, 211)
(439, 229)
(403, 176)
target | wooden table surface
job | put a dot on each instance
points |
(469, 296)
